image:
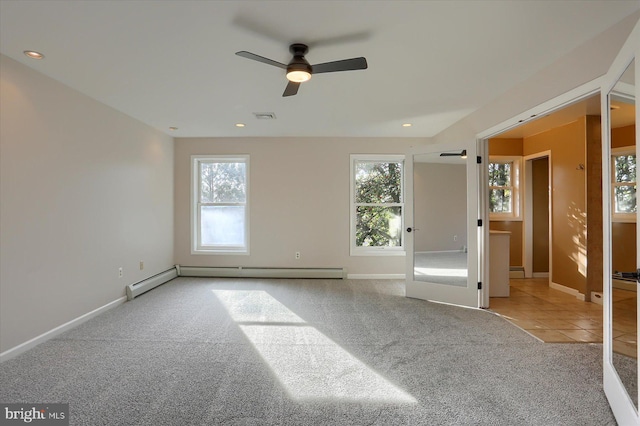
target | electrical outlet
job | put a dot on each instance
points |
(297, 255)
(141, 265)
(455, 238)
(120, 273)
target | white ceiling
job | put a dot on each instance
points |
(172, 63)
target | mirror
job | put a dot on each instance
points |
(624, 324)
(440, 218)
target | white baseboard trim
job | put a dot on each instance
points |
(540, 275)
(516, 274)
(567, 290)
(23, 347)
(375, 276)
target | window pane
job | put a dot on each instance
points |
(625, 199)
(378, 226)
(378, 182)
(499, 174)
(222, 225)
(625, 168)
(500, 200)
(223, 182)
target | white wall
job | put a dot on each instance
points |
(84, 189)
(299, 201)
(440, 205)
(584, 64)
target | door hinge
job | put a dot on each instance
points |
(479, 222)
(479, 159)
(479, 285)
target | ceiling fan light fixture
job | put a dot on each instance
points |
(298, 76)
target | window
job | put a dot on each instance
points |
(623, 190)
(377, 204)
(220, 210)
(504, 179)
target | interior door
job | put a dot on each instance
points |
(440, 234)
(620, 219)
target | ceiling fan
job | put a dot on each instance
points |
(299, 70)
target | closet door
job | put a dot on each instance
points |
(441, 234)
(620, 218)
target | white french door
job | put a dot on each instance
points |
(621, 296)
(441, 234)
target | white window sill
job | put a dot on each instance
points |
(221, 252)
(381, 252)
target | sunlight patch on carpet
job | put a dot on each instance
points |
(309, 365)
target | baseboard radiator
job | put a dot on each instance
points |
(253, 272)
(150, 283)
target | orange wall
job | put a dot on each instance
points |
(623, 136)
(567, 146)
(506, 146)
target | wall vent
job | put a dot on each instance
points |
(265, 115)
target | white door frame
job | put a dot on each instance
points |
(578, 94)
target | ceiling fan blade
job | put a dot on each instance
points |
(343, 65)
(262, 59)
(291, 89)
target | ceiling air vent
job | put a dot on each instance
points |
(265, 115)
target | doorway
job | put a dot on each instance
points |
(537, 218)
(550, 284)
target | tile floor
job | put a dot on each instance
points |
(557, 317)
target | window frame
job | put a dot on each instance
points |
(516, 185)
(196, 187)
(375, 251)
(615, 216)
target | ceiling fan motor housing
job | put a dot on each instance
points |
(299, 63)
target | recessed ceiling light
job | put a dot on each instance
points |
(33, 54)
(407, 125)
(173, 129)
(239, 124)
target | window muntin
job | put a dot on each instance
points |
(377, 213)
(221, 188)
(504, 196)
(623, 190)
